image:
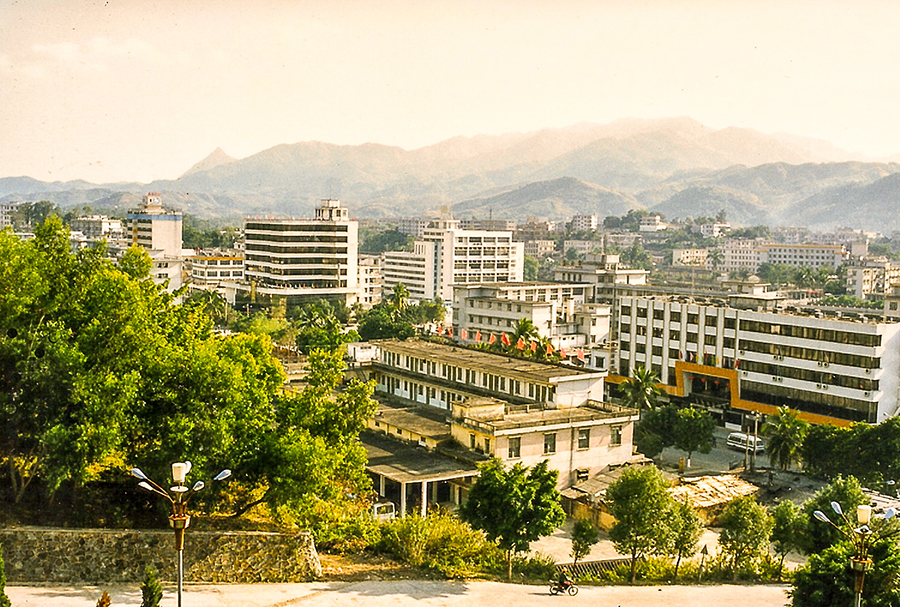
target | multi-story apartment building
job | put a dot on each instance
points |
(652, 223)
(370, 280)
(300, 260)
(414, 226)
(447, 255)
(158, 230)
(540, 248)
(830, 369)
(814, 256)
(582, 223)
(871, 278)
(583, 247)
(689, 257)
(7, 210)
(510, 408)
(562, 313)
(210, 270)
(604, 272)
(622, 240)
(97, 226)
(505, 225)
(714, 230)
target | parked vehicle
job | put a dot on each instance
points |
(383, 511)
(567, 587)
(740, 441)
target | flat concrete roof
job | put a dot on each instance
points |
(403, 462)
(424, 423)
(496, 364)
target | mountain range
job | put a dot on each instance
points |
(677, 167)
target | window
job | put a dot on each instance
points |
(615, 436)
(472, 441)
(584, 438)
(515, 447)
(549, 444)
(693, 318)
(487, 446)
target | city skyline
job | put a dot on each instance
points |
(107, 91)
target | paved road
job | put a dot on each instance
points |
(409, 592)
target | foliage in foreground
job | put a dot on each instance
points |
(827, 580)
(441, 543)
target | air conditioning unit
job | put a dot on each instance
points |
(868, 371)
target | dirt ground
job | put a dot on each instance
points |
(364, 567)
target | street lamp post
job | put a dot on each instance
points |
(860, 537)
(179, 520)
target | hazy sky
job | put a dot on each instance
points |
(141, 89)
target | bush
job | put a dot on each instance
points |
(536, 566)
(151, 589)
(4, 600)
(439, 542)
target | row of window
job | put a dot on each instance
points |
(285, 227)
(584, 442)
(810, 375)
(814, 333)
(825, 356)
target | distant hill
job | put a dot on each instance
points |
(561, 197)
(676, 165)
(872, 206)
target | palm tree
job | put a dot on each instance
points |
(785, 432)
(641, 390)
(399, 296)
(715, 258)
(526, 330)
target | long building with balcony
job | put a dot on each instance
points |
(736, 360)
(518, 410)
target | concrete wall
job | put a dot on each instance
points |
(93, 556)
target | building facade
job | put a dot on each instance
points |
(209, 271)
(300, 260)
(447, 255)
(830, 369)
(517, 410)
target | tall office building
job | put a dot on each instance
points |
(301, 260)
(447, 255)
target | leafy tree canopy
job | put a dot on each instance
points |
(514, 507)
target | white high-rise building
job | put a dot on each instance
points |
(158, 230)
(301, 260)
(446, 255)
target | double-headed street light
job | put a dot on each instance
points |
(179, 520)
(861, 538)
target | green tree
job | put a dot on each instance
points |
(656, 430)
(827, 580)
(514, 507)
(640, 504)
(746, 527)
(399, 297)
(784, 434)
(380, 323)
(818, 536)
(787, 530)
(641, 390)
(715, 258)
(136, 262)
(4, 600)
(530, 268)
(151, 589)
(694, 431)
(524, 330)
(584, 535)
(686, 528)
(387, 240)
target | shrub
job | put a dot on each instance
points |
(536, 566)
(151, 589)
(4, 600)
(440, 542)
(104, 600)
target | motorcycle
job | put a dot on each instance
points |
(567, 587)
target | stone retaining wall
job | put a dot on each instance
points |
(95, 556)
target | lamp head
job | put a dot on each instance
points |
(889, 513)
(145, 485)
(221, 476)
(137, 473)
(821, 516)
(179, 472)
(837, 508)
(198, 486)
(864, 514)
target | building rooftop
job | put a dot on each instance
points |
(526, 416)
(498, 364)
(430, 424)
(406, 463)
